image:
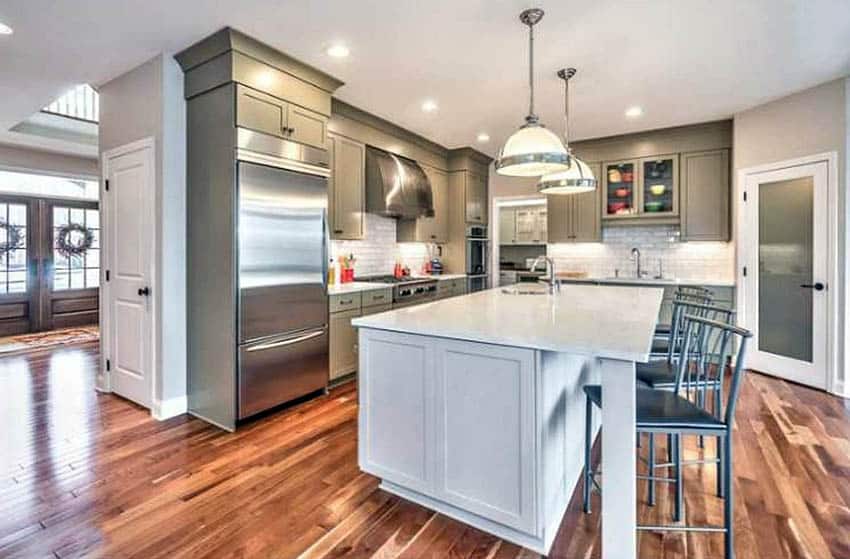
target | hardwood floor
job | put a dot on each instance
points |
(87, 474)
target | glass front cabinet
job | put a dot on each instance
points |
(646, 188)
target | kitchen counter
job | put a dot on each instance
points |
(355, 287)
(473, 406)
(664, 282)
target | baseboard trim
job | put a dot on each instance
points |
(839, 388)
(172, 407)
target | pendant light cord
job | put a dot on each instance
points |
(567, 113)
(531, 116)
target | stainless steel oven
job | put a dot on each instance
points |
(477, 250)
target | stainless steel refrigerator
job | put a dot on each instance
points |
(283, 303)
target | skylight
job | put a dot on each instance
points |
(80, 103)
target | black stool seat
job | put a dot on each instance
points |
(656, 374)
(663, 328)
(662, 409)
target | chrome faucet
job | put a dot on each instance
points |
(554, 281)
(636, 258)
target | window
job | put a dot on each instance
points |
(81, 227)
(13, 239)
(48, 186)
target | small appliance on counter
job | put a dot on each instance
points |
(434, 266)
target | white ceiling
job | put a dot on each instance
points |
(683, 61)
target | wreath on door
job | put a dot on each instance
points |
(10, 237)
(74, 239)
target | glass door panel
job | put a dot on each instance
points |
(76, 248)
(659, 184)
(13, 247)
(620, 195)
(785, 259)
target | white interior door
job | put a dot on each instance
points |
(128, 237)
(785, 247)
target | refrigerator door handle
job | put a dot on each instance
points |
(285, 342)
(326, 235)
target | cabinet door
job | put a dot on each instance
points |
(619, 189)
(507, 226)
(343, 344)
(559, 218)
(541, 224)
(659, 185)
(526, 226)
(587, 219)
(347, 188)
(396, 412)
(705, 196)
(261, 112)
(436, 229)
(306, 127)
(485, 453)
(476, 198)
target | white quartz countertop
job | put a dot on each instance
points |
(663, 282)
(616, 322)
(355, 287)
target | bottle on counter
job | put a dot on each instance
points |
(331, 272)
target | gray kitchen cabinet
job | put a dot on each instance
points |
(451, 287)
(575, 218)
(641, 190)
(343, 344)
(429, 229)
(476, 198)
(347, 184)
(266, 113)
(507, 226)
(705, 196)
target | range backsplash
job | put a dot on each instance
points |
(691, 260)
(378, 252)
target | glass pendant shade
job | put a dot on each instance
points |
(532, 151)
(575, 180)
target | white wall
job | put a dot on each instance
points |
(805, 123)
(142, 103)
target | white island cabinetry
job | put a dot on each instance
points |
(482, 418)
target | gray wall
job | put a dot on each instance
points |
(148, 102)
(805, 123)
(26, 159)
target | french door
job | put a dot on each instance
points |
(49, 263)
(785, 246)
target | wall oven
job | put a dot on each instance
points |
(477, 258)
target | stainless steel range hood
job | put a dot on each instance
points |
(396, 187)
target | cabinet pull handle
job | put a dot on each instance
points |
(346, 302)
(338, 231)
(291, 131)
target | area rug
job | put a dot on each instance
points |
(44, 340)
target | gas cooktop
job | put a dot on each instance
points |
(393, 279)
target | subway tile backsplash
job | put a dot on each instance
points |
(683, 260)
(378, 252)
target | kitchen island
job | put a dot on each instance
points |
(473, 406)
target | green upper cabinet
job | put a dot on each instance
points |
(641, 189)
(346, 187)
(429, 229)
(476, 198)
(266, 113)
(705, 196)
(573, 218)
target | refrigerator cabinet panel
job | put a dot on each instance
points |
(276, 370)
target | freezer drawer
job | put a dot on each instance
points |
(279, 369)
(265, 311)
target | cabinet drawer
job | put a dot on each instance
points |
(377, 297)
(307, 127)
(346, 302)
(260, 112)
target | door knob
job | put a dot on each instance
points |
(817, 286)
(144, 291)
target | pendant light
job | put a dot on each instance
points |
(532, 150)
(578, 178)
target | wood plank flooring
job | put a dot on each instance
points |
(88, 474)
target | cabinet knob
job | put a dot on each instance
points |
(338, 231)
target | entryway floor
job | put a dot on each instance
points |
(44, 340)
(89, 474)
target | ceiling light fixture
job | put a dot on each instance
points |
(429, 106)
(579, 177)
(532, 150)
(337, 51)
(484, 137)
(634, 112)
(5, 29)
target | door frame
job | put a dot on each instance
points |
(834, 384)
(104, 377)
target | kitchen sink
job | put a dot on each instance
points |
(525, 291)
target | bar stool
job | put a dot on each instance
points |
(660, 411)
(663, 341)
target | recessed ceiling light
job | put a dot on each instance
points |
(337, 51)
(483, 137)
(429, 106)
(634, 112)
(5, 29)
